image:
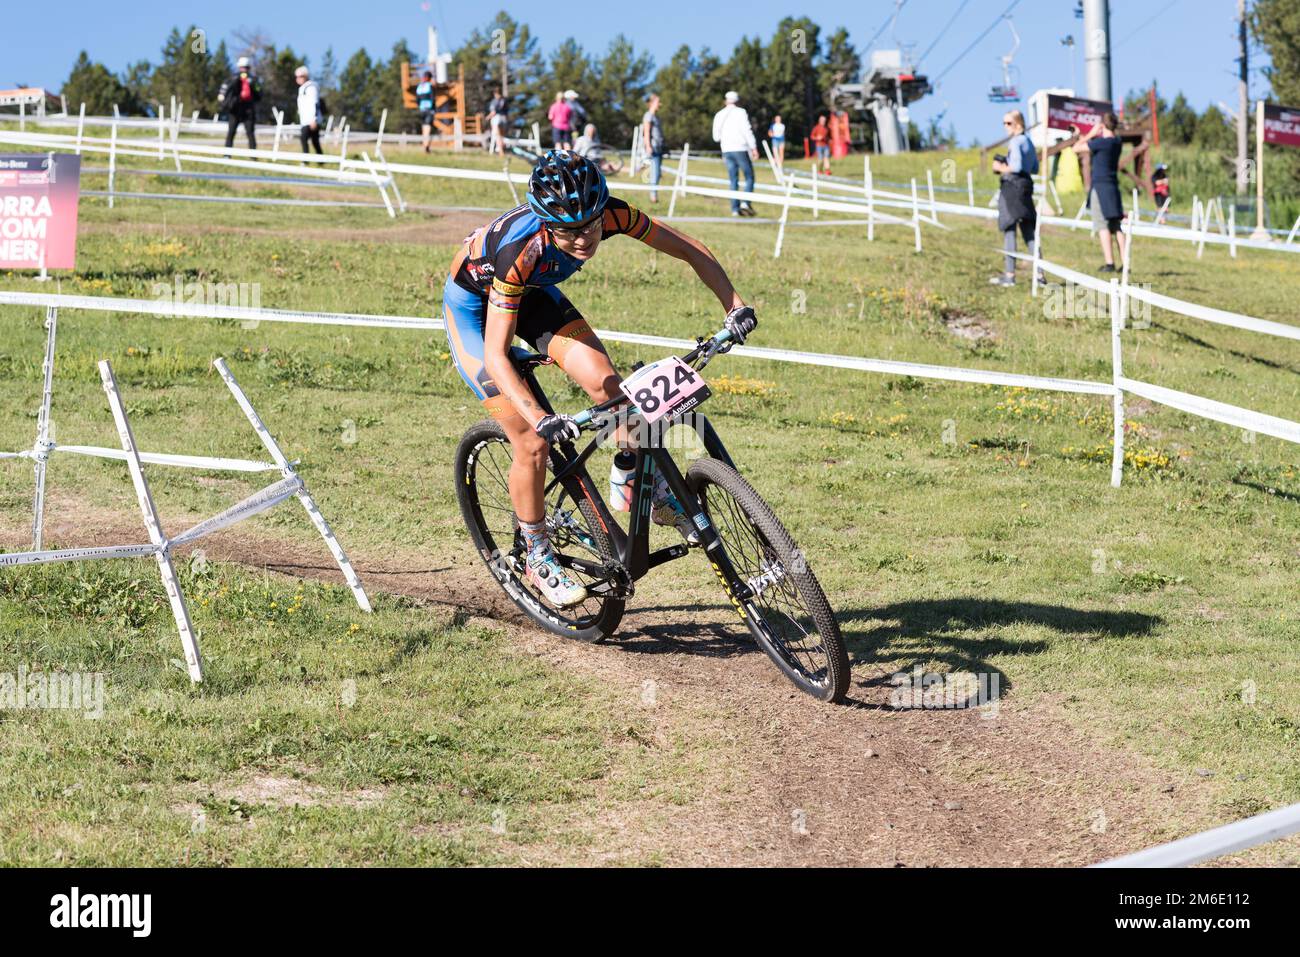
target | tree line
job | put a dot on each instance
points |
(789, 74)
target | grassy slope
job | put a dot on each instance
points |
(1140, 611)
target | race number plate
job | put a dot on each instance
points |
(664, 388)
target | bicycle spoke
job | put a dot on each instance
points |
(779, 604)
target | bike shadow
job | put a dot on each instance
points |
(954, 632)
(948, 633)
(723, 638)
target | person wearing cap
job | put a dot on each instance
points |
(732, 132)
(577, 112)
(239, 96)
(309, 109)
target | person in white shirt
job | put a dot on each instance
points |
(308, 109)
(732, 132)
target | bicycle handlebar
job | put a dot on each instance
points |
(700, 356)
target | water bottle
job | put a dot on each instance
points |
(621, 474)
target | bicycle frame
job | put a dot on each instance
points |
(632, 547)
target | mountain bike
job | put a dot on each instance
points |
(763, 572)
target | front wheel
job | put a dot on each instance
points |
(482, 486)
(787, 611)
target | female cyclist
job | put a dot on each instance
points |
(503, 283)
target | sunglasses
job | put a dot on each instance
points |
(587, 230)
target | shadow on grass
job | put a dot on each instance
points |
(1268, 490)
(945, 631)
(948, 631)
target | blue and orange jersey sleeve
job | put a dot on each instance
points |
(513, 271)
(624, 219)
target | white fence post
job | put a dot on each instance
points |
(1124, 273)
(41, 453)
(1232, 230)
(785, 215)
(1117, 372)
(279, 126)
(679, 180)
(162, 553)
(869, 185)
(814, 190)
(379, 137)
(929, 183)
(81, 126)
(112, 161)
(970, 186)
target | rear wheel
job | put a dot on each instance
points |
(482, 467)
(788, 613)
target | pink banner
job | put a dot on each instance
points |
(1067, 112)
(1281, 125)
(38, 210)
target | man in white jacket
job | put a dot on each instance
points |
(731, 130)
(308, 109)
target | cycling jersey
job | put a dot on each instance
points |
(513, 265)
(515, 252)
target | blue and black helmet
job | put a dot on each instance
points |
(567, 189)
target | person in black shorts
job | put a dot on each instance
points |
(1104, 198)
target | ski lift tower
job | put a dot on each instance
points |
(887, 89)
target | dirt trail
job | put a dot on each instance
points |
(861, 784)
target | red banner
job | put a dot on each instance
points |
(1281, 125)
(38, 210)
(1067, 112)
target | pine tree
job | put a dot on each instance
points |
(93, 84)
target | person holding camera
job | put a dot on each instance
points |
(1015, 193)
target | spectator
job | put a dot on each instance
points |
(652, 142)
(239, 96)
(1160, 189)
(424, 103)
(732, 132)
(590, 146)
(1104, 198)
(577, 112)
(821, 141)
(309, 109)
(776, 133)
(1016, 193)
(561, 115)
(497, 109)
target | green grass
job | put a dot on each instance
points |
(960, 526)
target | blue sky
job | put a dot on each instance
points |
(1187, 44)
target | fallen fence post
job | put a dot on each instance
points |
(162, 554)
(304, 497)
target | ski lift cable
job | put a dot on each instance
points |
(1146, 23)
(946, 26)
(979, 39)
(892, 18)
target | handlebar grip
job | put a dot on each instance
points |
(583, 418)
